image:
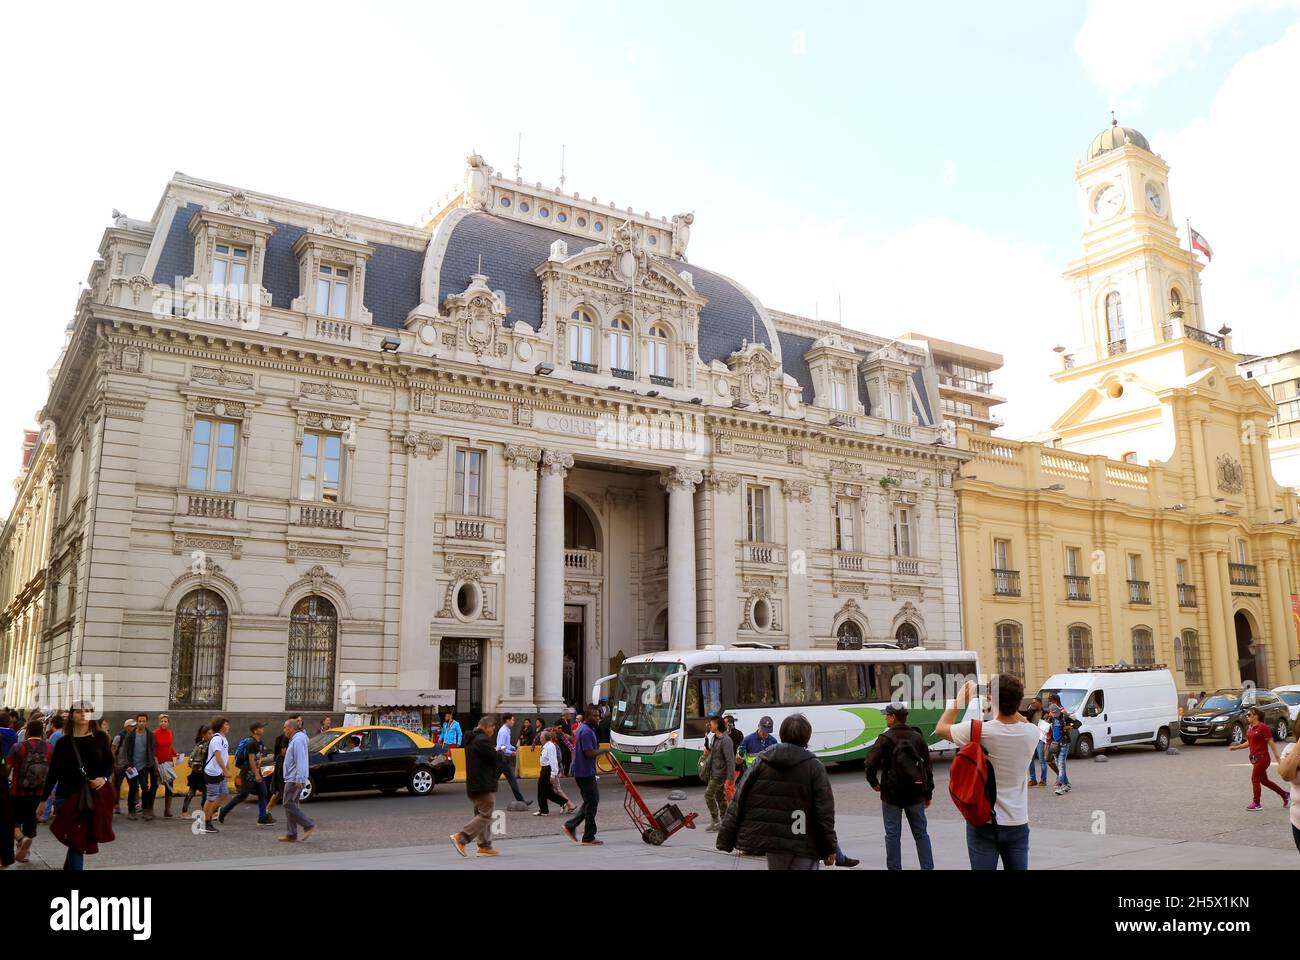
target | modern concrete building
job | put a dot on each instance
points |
(1279, 374)
(965, 383)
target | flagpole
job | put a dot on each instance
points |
(1191, 266)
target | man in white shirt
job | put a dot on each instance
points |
(1010, 741)
(214, 772)
(506, 755)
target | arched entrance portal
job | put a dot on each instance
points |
(581, 563)
(1251, 658)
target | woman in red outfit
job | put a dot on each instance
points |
(1258, 739)
(165, 750)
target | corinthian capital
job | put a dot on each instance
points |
(556, 463)
(798, 490)
(681, 478)
(721, 480)
(519, 456)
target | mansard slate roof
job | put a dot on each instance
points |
(511, 251)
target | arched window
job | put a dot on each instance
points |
(1114, 319)
(199, 651)
(1080, 646)
(657, 365)
(581, 333)
(1192, 657)
(848, 636)
(1144, 648)
(579, 532)
(313, 643)
(906, 636)
(618, 341)
(1011, 649)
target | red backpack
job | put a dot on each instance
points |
(971, 782)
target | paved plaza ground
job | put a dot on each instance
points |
(1157, 811)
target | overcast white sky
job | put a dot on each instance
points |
(914, 163)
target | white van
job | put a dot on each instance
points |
(1117, 706)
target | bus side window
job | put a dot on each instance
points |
(844, 683)
(956, 676)
(888, 686)
(801, 683)
(755, 685)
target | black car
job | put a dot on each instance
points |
(374, 758)
(1222, 715)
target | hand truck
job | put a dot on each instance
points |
(655, 826)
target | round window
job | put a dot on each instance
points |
(1115, 390)
(599, 226)
(653, 240)
(544, 211)
(562, 217)
(582, 221)
(523, 206)
(505, 201)
(762, 614)
(468, 601)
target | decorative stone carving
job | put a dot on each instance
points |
(797, 490)
(422, 443)
(334, 225)
(1231, 478)
(479, 313)
(520, 456)
(220, 377)
(681, 234)
(329, 392)
(477, 192)
(720, 480)
(681, 478)
(556, 463)
(238, 205)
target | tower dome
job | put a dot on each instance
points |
(1114, 137)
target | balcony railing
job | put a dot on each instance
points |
(329, 517)
(661, 381)
(1139, 591)
(582, 561)
(1006, 583)
(582, 367)
(622, 374)
(965, 383)
(1117, 347)
(337, 330)
(1186, 595)
(1242, 575)
(214, 508)
(1204, 336)
(469, 529)
(907, 568)
(854, 562)
(763, 553)
(1078, 588)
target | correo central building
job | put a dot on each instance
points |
(307, 460)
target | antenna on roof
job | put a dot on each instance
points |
(1113, 121)
(840, 299)
(561, 168)
(519, 148)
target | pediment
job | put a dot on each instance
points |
(1113, 396)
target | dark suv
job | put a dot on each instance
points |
(1222, 715)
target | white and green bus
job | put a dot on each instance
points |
(662, 701)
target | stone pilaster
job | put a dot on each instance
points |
(681, 483)
(549, 628)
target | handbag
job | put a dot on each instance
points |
(85, 799)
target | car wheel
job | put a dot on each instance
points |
(421, 781)
(1186, 739)
(1281, 730)
(1238, 734)
(1162, 739)
(308, 790)
(1083, 747)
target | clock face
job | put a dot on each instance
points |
(1155, 199)
(1108, 200)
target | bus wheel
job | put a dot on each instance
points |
(1162, 739)
(1083, 747)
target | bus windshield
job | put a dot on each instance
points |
(647, 701)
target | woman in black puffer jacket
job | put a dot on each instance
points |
(786, 780)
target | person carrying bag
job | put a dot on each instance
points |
(81, 778)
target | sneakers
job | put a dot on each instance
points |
(538, 813)
(1062, 789)
(460, 847)
(209, 828)
(265, 821)
(849, 862)
(1254, 806)
(488, 852)
(713, 827)
(132, 815)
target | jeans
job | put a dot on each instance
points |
(507, 766)
(1040, 754)
(1062, 751)
(75, 860)
(248, 789)
(586, 814)
(788, 861)
(293, 810)
(985, 847)
(894, 830)
(141, 790)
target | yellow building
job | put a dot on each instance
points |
(1147, 526)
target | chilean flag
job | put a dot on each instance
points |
(1200, 243)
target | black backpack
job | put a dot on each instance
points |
(905, 777)
(34, 768)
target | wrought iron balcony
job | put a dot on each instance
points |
(1139, 591)
(1006, 583)
(582, 367)
(1186, 595)
(1204, 336)
(661, 381)
(1117, 347)
(1242, 575)
(622, 374)
(1078, 588)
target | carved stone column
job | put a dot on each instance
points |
(680, 483)
(548, 682)
(798, 494)
(519, 652)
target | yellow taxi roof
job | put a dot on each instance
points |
(419, 740)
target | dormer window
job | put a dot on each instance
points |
(657, 365)
(581, 334)
(332, 284)
(619, 345)
(229, 270)
(840, 394)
